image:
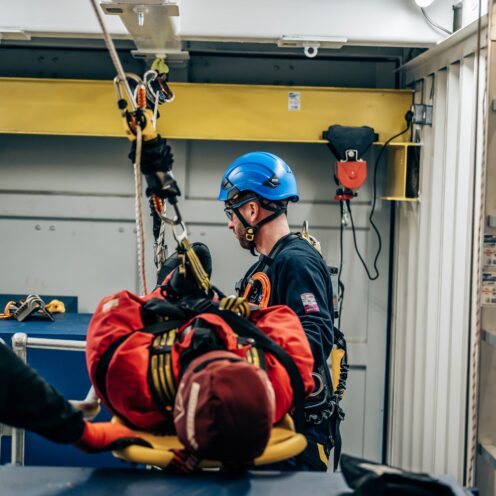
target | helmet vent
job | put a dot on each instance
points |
(273, 182)
(226, 184)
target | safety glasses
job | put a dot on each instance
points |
(229, 209)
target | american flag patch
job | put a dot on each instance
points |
(309, 303)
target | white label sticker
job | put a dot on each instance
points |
(294, 100)
(110, 304)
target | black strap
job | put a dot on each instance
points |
(271, 217)
(251, 230)
(246, 329)
(206, 363)
(106, 357)
(193, 301)
(102, 368)
(336, 419)
(265, 261)
(161, 327)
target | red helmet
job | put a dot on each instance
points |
(224, 408)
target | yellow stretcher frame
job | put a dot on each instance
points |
(284, 443)
(71, 107)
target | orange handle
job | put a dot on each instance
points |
(264, 281)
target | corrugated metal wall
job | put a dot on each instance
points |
(433, 270)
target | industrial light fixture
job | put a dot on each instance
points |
(423, 3)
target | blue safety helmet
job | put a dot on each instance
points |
(265, 174)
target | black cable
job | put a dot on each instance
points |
(435, 25)
(340, 283)
(372, 278)
(408, 117)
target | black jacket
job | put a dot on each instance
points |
(300, 279)
(28, 402)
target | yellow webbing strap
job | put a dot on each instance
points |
(235, 304)
(160, 66)
(337, 356)
(161, 373)
(253, 357)
(199, 272)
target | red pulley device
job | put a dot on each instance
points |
(348, 144)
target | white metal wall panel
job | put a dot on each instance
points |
(433, 264)
(83, 188)
(401, 22)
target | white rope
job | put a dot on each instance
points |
(113, 54)
(140, 237)
(477, 263)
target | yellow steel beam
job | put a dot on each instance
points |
(202, 111)
(395, 188)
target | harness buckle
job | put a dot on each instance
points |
(250, 234)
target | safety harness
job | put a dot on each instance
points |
(188, 301)
(324, 403)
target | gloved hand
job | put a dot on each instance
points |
(156, 156)
(156, 165)
(163, 185)
(107, 436)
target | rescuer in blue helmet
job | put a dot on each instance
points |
(262, 178)
(256, 189)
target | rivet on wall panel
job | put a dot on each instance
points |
(37, 227)
(52, 228)
(121, 229)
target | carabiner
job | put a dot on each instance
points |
(179, 237)
(123, 102)
(157, 87)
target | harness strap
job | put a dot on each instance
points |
(197, 303)
(339, 354)
(162, 381)
(107, 355)
(266, 261)
(251, 230)
(102, 368)
(235, 304)
(246, 329)
(336, 419)
(196, 266)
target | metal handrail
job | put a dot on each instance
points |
(20, 343)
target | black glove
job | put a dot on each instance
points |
(156, 156)
(156, 165)
(163, 185)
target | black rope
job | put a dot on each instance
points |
(340, 282)
(372, 278)
(408, 117)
